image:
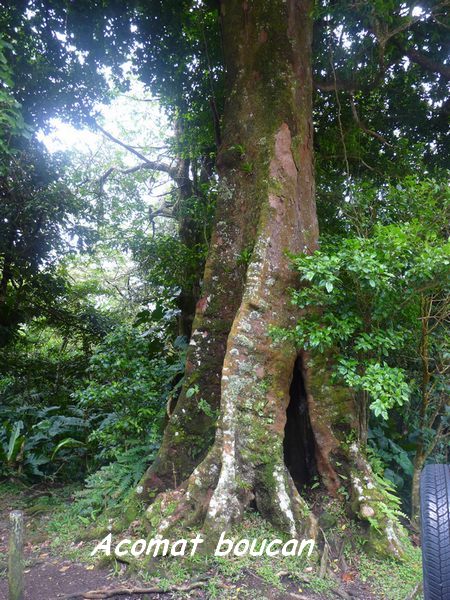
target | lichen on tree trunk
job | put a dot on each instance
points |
(341, 459)
(269, 103)
(266, 211)
(257, 372)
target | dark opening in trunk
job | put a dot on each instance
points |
(299, 445)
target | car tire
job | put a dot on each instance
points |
(435, 531)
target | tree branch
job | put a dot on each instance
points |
(383, 37)
(426, 62)
(151, 165)
(361, 125)
(353, 85)
(110, 593)
(147, 164)
(340, 85)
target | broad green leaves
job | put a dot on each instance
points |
(385, 385)
(362, 297)
(130, 378)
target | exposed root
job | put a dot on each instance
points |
(187, 505)
(369, 503)
(201, 500)
(111, 592)
(193, 502)
(283, 506)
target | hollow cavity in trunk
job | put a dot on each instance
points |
(299, 445)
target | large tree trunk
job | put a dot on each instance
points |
(266, 210)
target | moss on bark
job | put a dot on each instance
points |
(265, 213)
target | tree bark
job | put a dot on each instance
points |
(341, 461)
(266, 211)
(419, 463)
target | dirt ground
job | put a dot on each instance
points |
(48, 577)
(52, 577)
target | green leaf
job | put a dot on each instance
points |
(14, 441)
(67, 443)
(191, 391)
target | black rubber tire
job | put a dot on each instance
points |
(435, 531)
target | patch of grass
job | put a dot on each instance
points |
(269, 572)
(322, 585)
(238, 571)
(12, 495)
(214, 588)
(49, 516)
(392, 579)
(65, 533)
(267, 567)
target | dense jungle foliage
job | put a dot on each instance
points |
(102, 244)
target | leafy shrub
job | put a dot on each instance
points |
(42, 441)
(396, 461)
(131, 377)
(42, 432)
(374, 298)
(54, 424)
(364, 297)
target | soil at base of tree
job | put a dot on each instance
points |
(53, 579)
(48, 576)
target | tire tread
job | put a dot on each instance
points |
(435, 531)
